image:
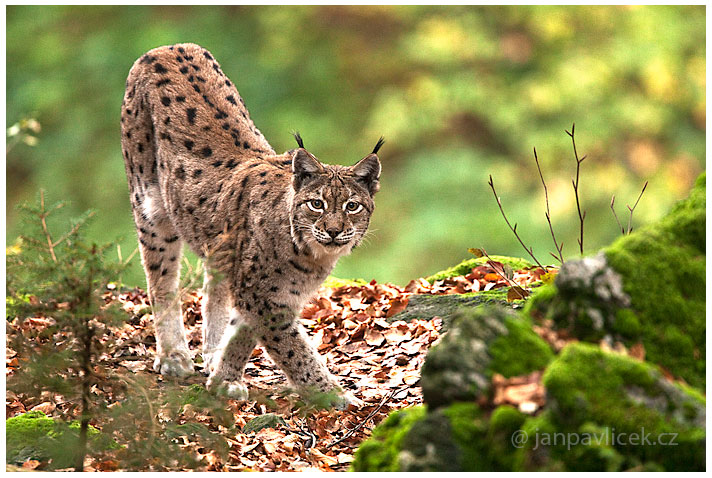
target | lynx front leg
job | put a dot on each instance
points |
(288, 345)
(217, 311)
(231, 357)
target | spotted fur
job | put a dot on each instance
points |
(270, 226)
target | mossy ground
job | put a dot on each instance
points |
(381, 451)
(617, 401)
(466, 266)
(34, 435)
(664, 273)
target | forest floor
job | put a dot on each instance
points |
(376, 359)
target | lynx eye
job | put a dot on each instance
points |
(316, 205)
(352, 207)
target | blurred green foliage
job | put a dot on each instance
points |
(459, 93)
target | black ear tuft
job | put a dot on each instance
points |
(299, 139)
(378, 145)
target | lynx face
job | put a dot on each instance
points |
(332, 205)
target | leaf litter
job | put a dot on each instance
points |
(376, 360)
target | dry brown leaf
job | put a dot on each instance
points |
(374, 337)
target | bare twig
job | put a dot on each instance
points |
(613, 200)
(304, 427)
(514, 229)
(501, 273)
(575, 182)
(365, 420)
(558, 247)
(631, 209)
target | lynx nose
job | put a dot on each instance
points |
(333, 233)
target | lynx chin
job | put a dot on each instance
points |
(269, 226)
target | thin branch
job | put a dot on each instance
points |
(558, 247)
(501, 273)
(365, 420)
(304, 427)
(613, 200)
(514, 229)
(630, 218)
(581, 215)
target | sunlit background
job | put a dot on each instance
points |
(459, 93)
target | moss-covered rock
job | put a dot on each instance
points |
(660, 270)
(480, 342)
(603, 411)
(459, 437)
(381, 451)
(465, 267)
(609, 412)
(663, 271)
(34, 435)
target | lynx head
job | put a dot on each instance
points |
(332, 205)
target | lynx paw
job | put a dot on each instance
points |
(210, 361)
(234, 389)
(175, 364)
(345, 401)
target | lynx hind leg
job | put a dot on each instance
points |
(232, 355)
(217, 310)
(161, 250)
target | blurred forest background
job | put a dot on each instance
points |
(459, 93)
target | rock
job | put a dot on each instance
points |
(381, 452)
(459, 437)
(647, 287)
(424, 306)
(625, 407)
(481, 342)
(603, 411)
(268, 420)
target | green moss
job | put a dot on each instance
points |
(380, 452)
(334, 282)
(663, 271)
(520, 351)
(464, 267)
(23, 434)
(539, 300)
(34, 435)
(588, 387)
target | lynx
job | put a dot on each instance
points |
(269, 226)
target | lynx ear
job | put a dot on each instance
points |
(304, 165)
(368, 171)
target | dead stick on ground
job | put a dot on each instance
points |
(501, 273)
(365, 420)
